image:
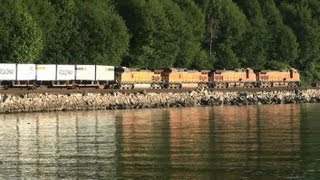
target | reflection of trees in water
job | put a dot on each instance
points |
(225, 142)
(144, 143)
(189, 141)
(255, 138)
(58, 145)
(310, 136)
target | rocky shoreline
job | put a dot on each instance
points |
(37, 102)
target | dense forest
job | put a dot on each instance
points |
(198, 34)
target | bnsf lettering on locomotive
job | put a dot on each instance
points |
(6, 71)
(65, 72)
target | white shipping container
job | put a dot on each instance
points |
(26, 72)
(8, 72)
(65, 72)
(46, 72)
(104, 73)
(85, 72)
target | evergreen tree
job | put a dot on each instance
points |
(61, 45)
(282, 45)
(161, 33)
(300, 17)
(21, 36)
(229, 25)
(103, 35)
(44, 14)
(152, 45)
(253, 47)
(191, 31)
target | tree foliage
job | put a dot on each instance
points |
(204, 34)
(103, 35)
(21, 37)
(164, 33)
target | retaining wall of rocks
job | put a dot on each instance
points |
(34, 102)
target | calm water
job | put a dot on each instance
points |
(255, 142)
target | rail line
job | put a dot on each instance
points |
(129, 91)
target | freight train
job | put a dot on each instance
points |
(33, 76)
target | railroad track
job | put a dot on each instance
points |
(104, 91)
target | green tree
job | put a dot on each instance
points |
(151, 45)
(282, 45)
(300, 16)
(229, 25)
(61, 45)
(21, 37)
(103, 35)
(253, 47)
(189, 32)
(45, 16)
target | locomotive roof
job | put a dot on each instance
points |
(125, 69)
(169, 69)
(233, 70)
(279, 70)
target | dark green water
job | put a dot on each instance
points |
(247, 142)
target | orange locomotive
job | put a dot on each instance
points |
(182, 78)
(174, 78)
(232, 78)
(137, 78)
(272, 78)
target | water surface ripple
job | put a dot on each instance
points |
(226, 142)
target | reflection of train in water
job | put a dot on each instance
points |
(100, 76)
